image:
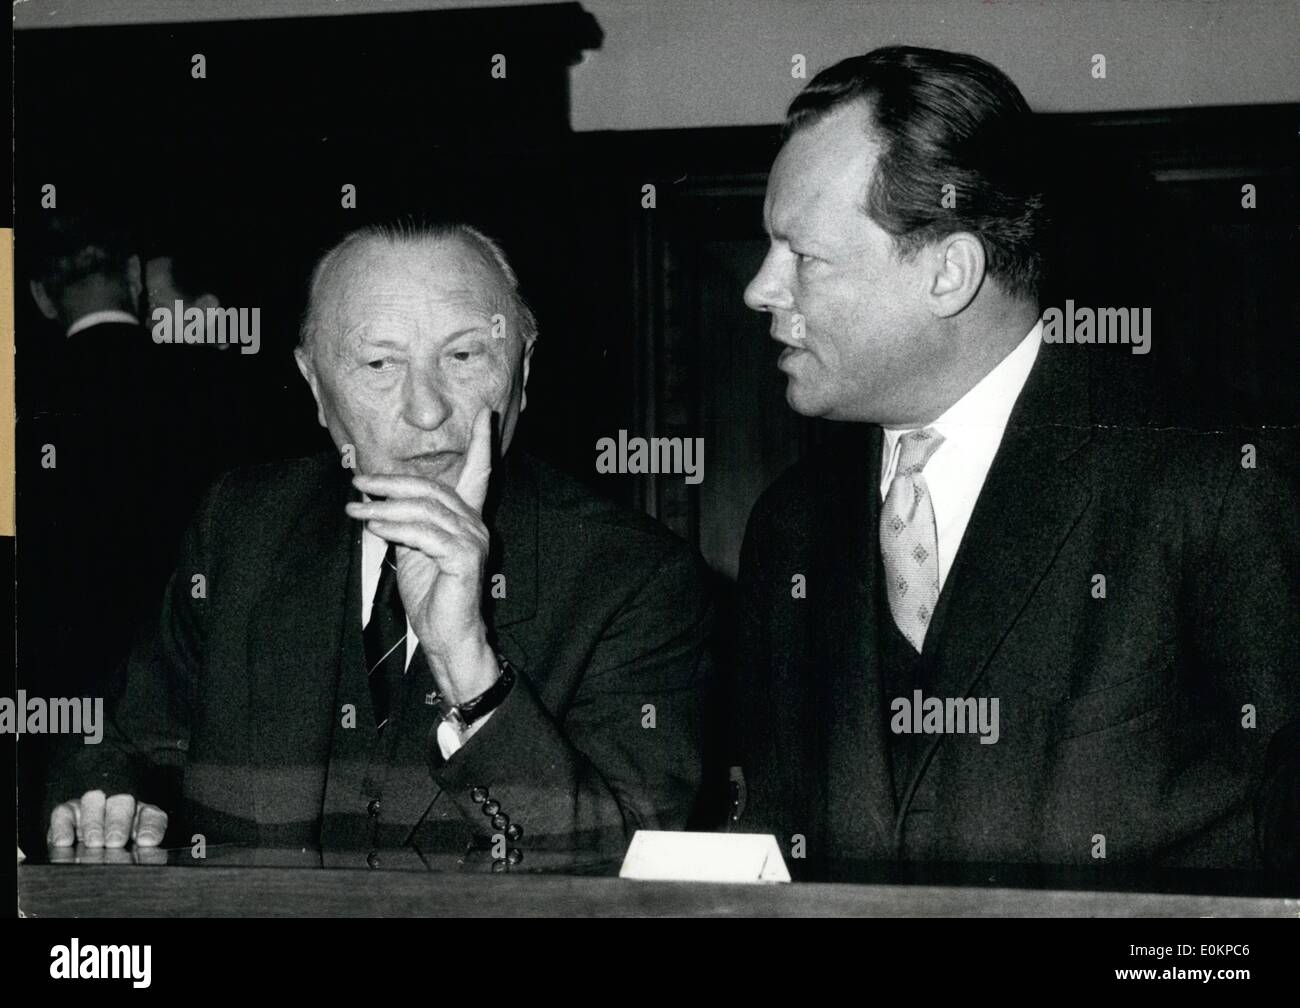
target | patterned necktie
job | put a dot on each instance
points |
(909, 540)
(385, 638)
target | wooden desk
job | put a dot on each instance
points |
(218, 891)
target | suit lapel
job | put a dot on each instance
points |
(409, 791)
(400, 763)
(859, 803)
(511, 512)
(1031, 500)
(299, 634)
(306, 628)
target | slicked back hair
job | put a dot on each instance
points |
(417, 234)
(942, 119)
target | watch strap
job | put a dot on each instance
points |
(476, 708)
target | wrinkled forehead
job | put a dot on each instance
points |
(441, 282)
(820, 178)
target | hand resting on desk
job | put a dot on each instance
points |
(98, 821)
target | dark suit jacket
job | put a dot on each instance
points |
(102, 521)
(242, 693)
(1119, 716)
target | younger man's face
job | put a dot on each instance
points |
(830, 268)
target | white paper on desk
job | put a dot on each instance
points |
(704, 857)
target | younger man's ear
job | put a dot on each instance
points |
(958, 270)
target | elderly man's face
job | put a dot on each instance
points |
(863, 349)
(405, 356)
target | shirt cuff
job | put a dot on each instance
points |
(450, 741)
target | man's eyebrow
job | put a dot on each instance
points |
(801, 235)
(467, 331)
(361, 333)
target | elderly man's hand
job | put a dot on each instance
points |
(97, 821)
(441, 556)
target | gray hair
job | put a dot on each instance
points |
(418, 234)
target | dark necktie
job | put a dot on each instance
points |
(385, 639)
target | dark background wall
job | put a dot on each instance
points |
(642, 324)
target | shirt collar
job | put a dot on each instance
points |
(100, 318)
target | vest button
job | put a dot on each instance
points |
(372, 859)
(373, 807)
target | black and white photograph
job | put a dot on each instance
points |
(656, 458)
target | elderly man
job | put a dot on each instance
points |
(416, 647)
(1031, 626)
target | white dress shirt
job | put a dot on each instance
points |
(373, 549)
(972, 431)
(99, 317)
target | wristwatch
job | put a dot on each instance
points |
(463, 715)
